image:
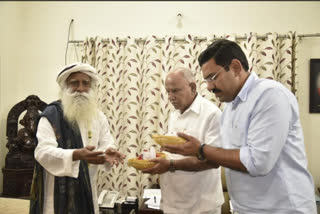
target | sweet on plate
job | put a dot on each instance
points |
(143, 160)
(164, 139)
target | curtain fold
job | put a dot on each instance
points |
(132, 93)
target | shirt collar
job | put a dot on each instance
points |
(194, 107)
(243, 93)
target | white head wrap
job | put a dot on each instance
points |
(77, 67)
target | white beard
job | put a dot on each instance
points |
(79, 107)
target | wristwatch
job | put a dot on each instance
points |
(200, 154)
(171, 167)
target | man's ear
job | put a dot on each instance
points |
(193, 87)
(236, 66)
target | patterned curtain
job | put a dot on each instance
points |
(133, 96)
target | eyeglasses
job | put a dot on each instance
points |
(214, 77)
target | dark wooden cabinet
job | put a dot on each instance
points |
(146, 210)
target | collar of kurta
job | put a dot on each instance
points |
(194, 107)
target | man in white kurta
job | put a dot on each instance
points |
(98, 143)
(189, 185)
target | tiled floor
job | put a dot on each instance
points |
(14, 206)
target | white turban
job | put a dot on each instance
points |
(77, 67)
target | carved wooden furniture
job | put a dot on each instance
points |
(19, 162)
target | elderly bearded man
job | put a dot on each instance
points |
(73, 139)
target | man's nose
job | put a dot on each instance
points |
(81, 88)
(210, 86)
(170, 96)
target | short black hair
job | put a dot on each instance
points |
(223, 51)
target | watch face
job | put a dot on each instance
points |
(172, 169)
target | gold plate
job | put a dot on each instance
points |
(144, 164)
(163, 139)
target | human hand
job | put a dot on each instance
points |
(189, 148)
(87, 154)
(161, 166)
(112, 156)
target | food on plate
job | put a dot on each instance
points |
(163, 139)
(143, 160)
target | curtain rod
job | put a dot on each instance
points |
(202, 39)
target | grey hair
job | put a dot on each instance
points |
(187, 74)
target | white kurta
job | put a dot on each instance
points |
(193, 192)
(58, 161)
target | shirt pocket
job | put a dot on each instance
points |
(237, 135)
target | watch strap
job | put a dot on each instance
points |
(200, 154)
(172, 168)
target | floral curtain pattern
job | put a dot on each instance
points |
(273, 57)
(133, 97)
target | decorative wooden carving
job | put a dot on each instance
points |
(19, 162)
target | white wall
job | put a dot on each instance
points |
(33, 41)
(9, 69)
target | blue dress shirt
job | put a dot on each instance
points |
(263, 122)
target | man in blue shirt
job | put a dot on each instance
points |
(262, 139)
